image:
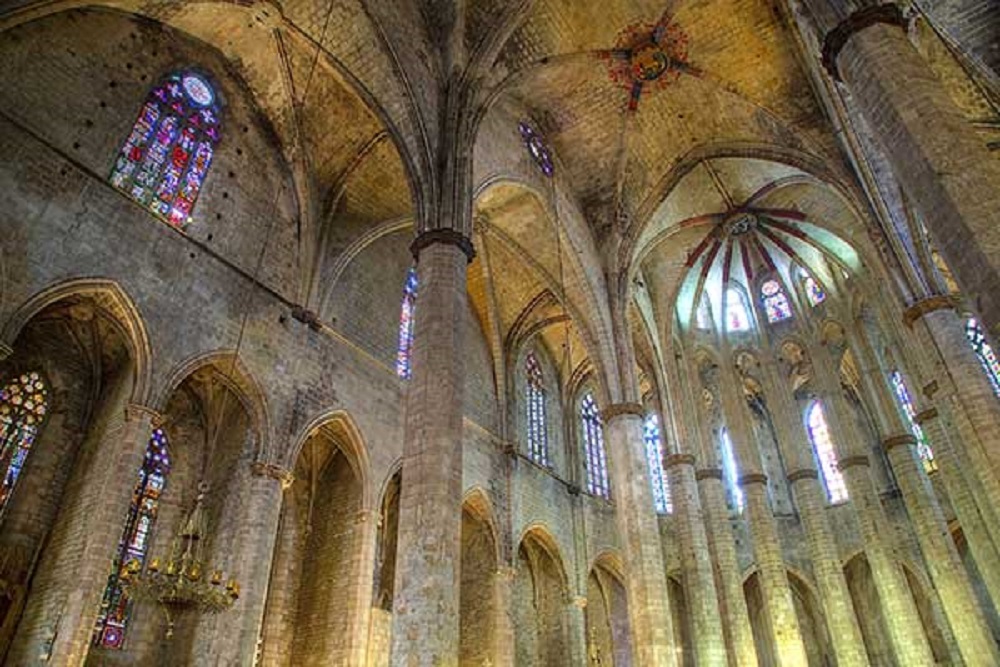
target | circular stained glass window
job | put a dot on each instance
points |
(198, 90)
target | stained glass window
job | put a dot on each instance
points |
(23, 406)
(775, 301)
(538, 445)
(165, 158)
(536, 148)
(983, 349)
(736, 498)
(826, 453)
(703, 316)
(814, 291)
(737, 318)
(654, 457)
(593, 446)
(112, 619)
(405, 348)
(903, 396)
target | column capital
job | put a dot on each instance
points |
(802, 473)
(929, 305)
(137, 411)
(446, 236)
(851, 461)
(5, 350)
(679, 460)
(708, 473)
(924, 416)
(366, 515)
(274, 471)
(833, 43)
(900, 440)
(620, 409)
(752, 478)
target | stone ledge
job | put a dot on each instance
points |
(851, 461)
(900, 440)
(929, 305)
(446, 236)
(274, 471)
(708, 473)
(802, 473)
(752, 478)
(678, 460)
(621, 409)
(925, 416)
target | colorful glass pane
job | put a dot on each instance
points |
(537, 148)
(903, 396)
(165, 158)
(737, 318)
(814, 292)
(112, 619)
(776, 303)
(593, 446)
(23, 406)
(826, 453)
(538, 446)
(654, 458)
(737, 500)
(983, 349)
(405, 349)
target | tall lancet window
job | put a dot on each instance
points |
(729, 473)
(23, 406)
(593, 447)
(703, 315)
(654, 458)
(737, 318)
(406, 322)
(814, 291)
(983, 349)
(112, 620)
(826, 453)
(903, 396)
(775, 301)
(165, 158)
(538, 442)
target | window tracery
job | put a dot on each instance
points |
(593, 445)
(538, 446)
(654, 458)
(164, 161)
(826, 453)
(406, 322)
(775, 301)
(113, 618)
(23, 407)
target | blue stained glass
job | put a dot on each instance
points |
(406, 323)
(903, 395)
(23, 406)
(538, 446)
(654, 459)
(776, 303)
(537, 148)
(983, 350)
(166, 157)
(814, 292)
(593, 446)
(112, 620)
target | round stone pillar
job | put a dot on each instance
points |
(645, 574)
(425, 622)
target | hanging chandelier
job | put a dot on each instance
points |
(182, 584)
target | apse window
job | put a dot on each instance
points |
(983, 349)
(814, 291)
(826, 453)
(903, 396)
(593, 446)
(113, 618)
(737, 317)
(654, 459)
(775, 301)
(166, 157)
(538, 446)
(405, 348)
(23, 407)
(737, 501)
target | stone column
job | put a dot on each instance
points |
(779, 607)
(230, 638)
(576, 627)
(58, 620)
(366, 527)
(906, 633)
(504, 652)
(286, 568)
(696, 562)
(973, 526)
(940, 162)
(645, 574)
(425, 624)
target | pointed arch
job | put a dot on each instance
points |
(347, 434)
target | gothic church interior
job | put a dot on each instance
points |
(547, 333)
